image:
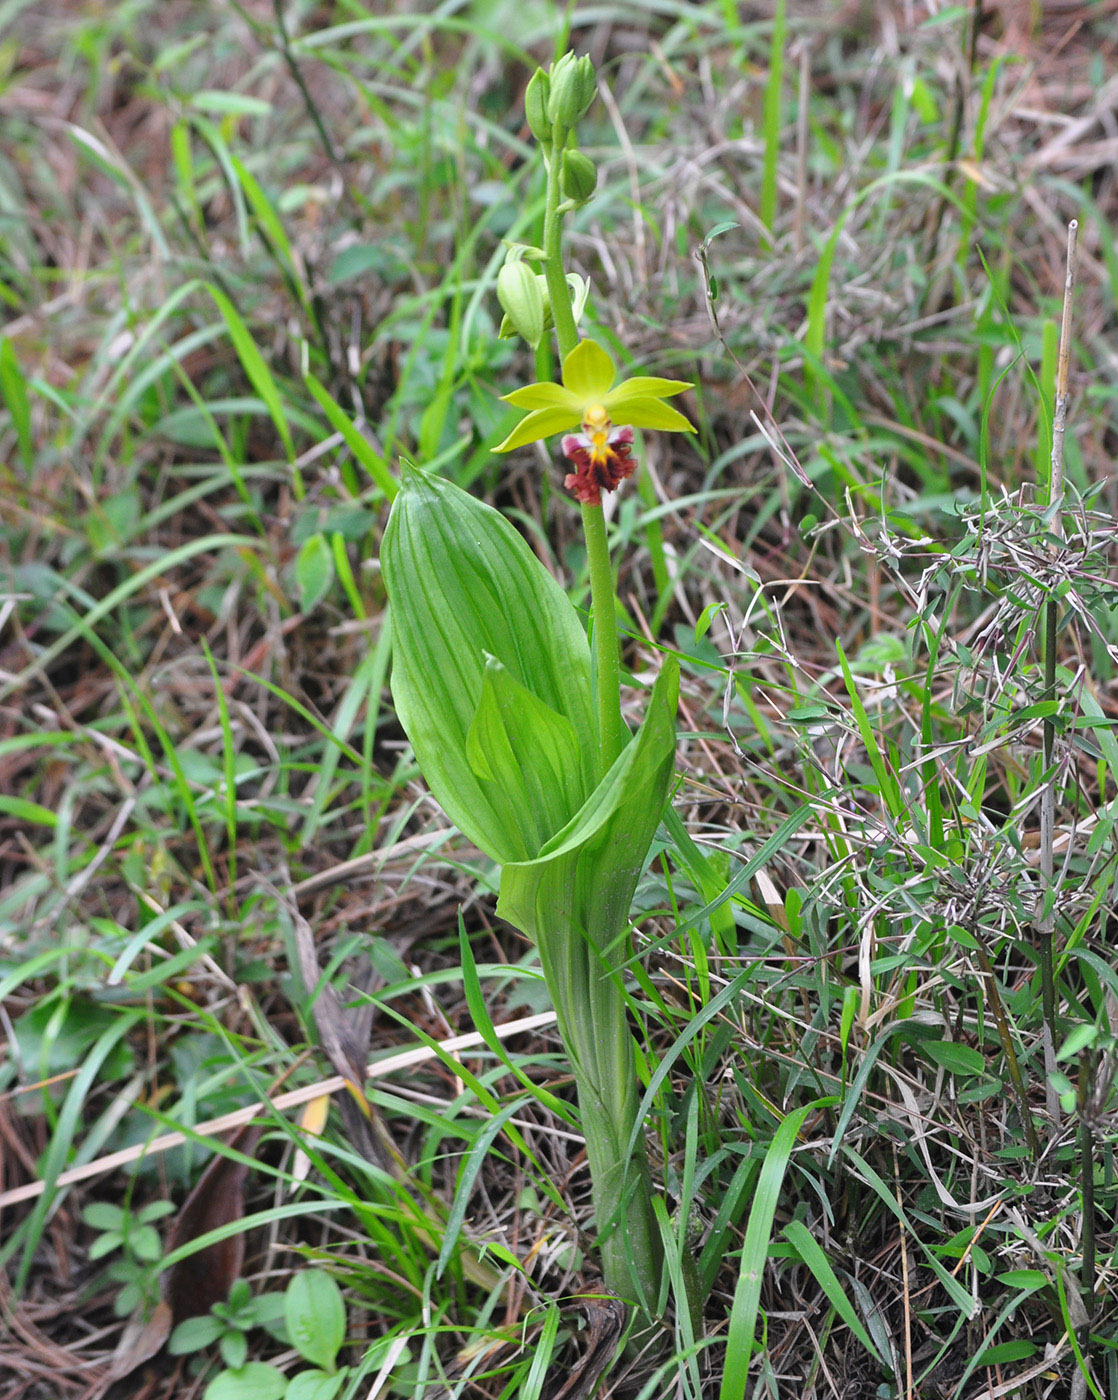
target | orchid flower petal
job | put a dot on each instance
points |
(546, 395)
(540, 424)
(588, 372)
(651, 413)
(645, 387)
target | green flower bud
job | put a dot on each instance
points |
(518, 291)
(535, 106)
(573, 88)
(580, 291)
(579, 176)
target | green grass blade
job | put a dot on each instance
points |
(467, 1176)
(959, 1295)
(771, 117)
(890, 793)
(754, 1253)
(228, 764)
(260, 376)
(544, 1350)
(13, 391)
(483, 1024)
(340, 421)
(812, 1255)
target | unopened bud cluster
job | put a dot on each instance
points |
(554, 103)
(557, 100)
(572, 88)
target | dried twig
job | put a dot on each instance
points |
(379, 1069)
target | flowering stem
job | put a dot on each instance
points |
(593, 1015)
(612, 734)
(566, 332)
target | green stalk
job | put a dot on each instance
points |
(612, 734)
(566, 332)
(1046, 929)
(1046, 925)
(594, 1020)
(594, 1023)
(1005, 1035)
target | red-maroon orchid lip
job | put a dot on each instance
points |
(602, 462)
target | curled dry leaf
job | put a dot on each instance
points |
(195, 1283)
(141, 1339)
(605, 1323)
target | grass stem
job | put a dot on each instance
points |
(1087, 1181)
(1046, 923)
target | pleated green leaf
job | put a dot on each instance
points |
(465, 587)
(526, 756)
(582, 882)
(574, 901)
(590, 866)
(492, 682)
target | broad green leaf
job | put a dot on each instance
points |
(959, 1059)
(526, 756)
(104, 1244)
(315, 1314)
(314, 572)
(464, 586)
(1023, 1278)
(236, 104)
(104, 1215)
(1019, 1349)
(25, 811)
(195, 1333)
(144, 1243)
(1078, 1038)
(315, 1385)
(614, 827)
(709, 613)
(233, 1348)
(255, 1381)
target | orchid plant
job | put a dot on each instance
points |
(514, 715)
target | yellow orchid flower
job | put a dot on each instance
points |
(604, 412)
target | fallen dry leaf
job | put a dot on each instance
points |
(195, 1283)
